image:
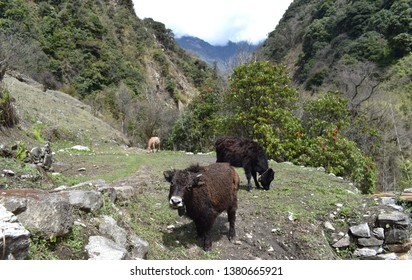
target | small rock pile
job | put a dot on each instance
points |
(40, 156)
(387, 237)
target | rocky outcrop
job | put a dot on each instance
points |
(387, 236)
(99, 247)
(51, 214)
(14, 238)
(48, 215)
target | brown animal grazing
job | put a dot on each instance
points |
(202, 193)
(245, 153)
(153, 144)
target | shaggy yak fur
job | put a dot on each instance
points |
(245, 153)
(202, 193)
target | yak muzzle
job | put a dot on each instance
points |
(176, 202)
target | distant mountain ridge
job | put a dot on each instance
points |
(211, 54)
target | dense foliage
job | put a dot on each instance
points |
(102, 53)
(263, 104)
(362, 50)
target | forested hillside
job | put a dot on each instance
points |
(130, 70)
(362, 51)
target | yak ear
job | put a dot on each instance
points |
(198, 181)
(169, 175)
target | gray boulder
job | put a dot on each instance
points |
(102, 248)
(89, 201)
(109, 226)
(343, 242)
(370, 242)
(393, 218)
(361, 230)
(14, 238)
(47, 214)
(124, 193)
(139, 247)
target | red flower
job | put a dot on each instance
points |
(334, 138)
(335, 132)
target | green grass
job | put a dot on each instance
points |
(309, 194)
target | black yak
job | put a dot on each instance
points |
(202, 193)
(248, 154)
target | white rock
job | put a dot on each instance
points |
(328, 225)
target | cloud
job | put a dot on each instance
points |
(216, 21)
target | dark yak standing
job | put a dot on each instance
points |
(245, 153)
(202, 193)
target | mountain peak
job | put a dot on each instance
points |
(215, 54)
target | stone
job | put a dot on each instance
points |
(88, 201)
(393, 218)
(328, 225)
(109, 192)
(47, 214)
(361, 230)
(389, 256)
(364, 252)
(388, 200)
(80, 148)
(124, 193)
(395, 235)
(343, 242)
(370, 242)
(14, 238)
(399, 248)
(102, 248)
(8, 172)
(109, 226)
(139, 246)
(15, 205)
(5, 151)
(378, 233)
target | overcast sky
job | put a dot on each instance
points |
(216, 21)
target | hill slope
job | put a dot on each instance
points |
(56, 116)
(363, 51)
(102, 53)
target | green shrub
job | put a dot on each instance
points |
(263, 103)
(21, 152)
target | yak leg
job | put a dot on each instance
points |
(231, 213)
(204, 228)
(255, 179)
(248, 177)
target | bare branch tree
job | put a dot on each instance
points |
(358, 83)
